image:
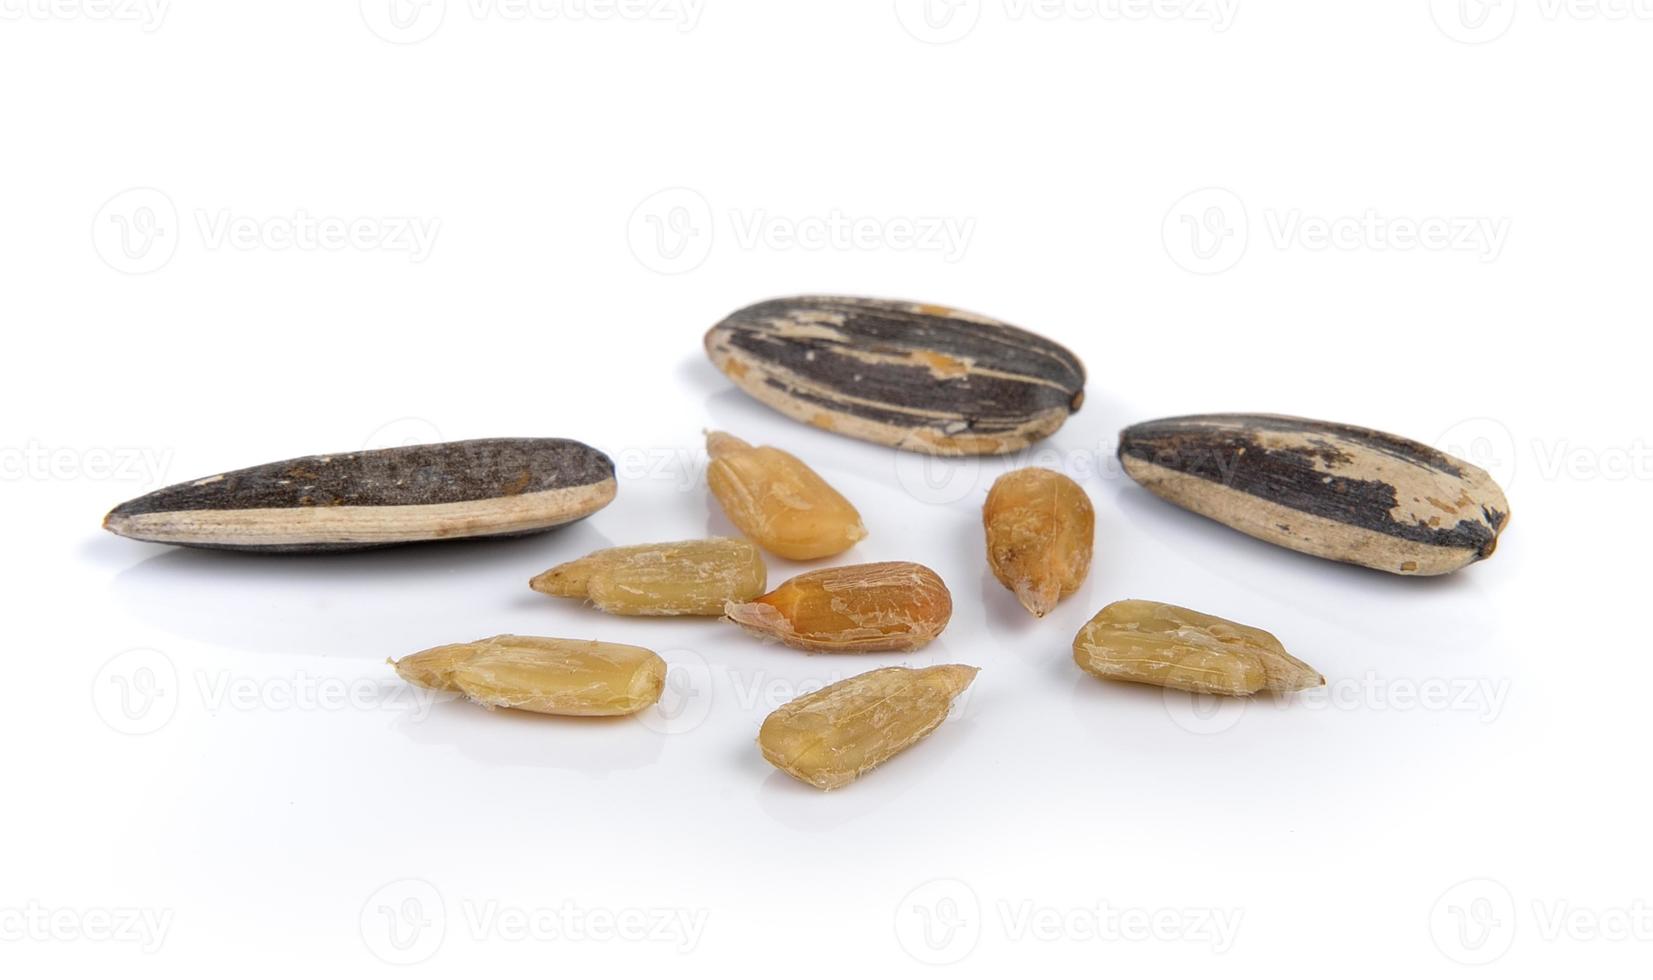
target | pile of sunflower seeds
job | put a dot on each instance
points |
(927, 379)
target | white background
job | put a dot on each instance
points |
(1428, 222)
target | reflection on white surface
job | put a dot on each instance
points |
(356, 604)
(505, 739)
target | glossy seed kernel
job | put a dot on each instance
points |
(543, 675)
(894, 605)
(678, 578)
(830, 737)
(778, 501)
(1169, 646)
(1040, 528)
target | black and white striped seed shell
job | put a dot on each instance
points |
(442, 491)
(1335, 491)
(918, 377)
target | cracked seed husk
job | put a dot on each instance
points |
(883, 606)
(678, 578)
(481, 488)
(778, 501)
(1040, 528)
(1335, 491)
(831, 737)
(1169, 646)
(544, 675)
(910, 375)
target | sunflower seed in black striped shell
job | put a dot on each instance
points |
(477, 489)
(1335, 491)
(919, 377)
